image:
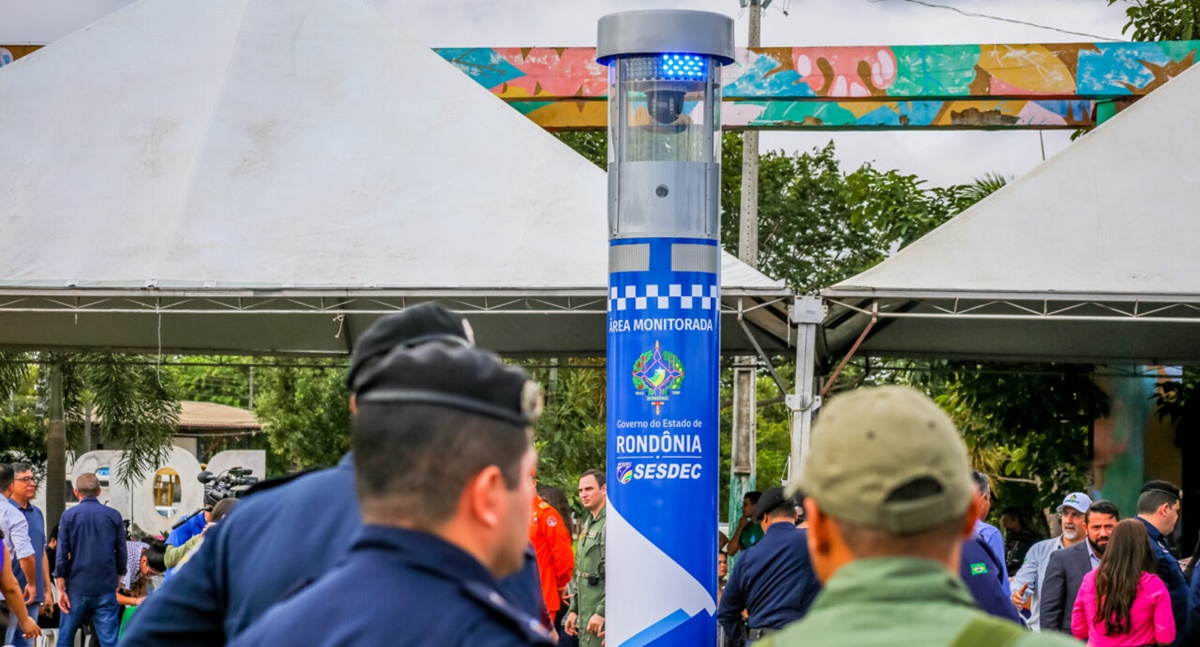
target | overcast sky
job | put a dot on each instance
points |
(941, 157)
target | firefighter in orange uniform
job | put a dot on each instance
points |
(552, 544)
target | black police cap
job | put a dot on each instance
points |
(1165, 487)
(457, 377)
(410, 327)
(771, 499)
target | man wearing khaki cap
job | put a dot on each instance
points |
(889, 501)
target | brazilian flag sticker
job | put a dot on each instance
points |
(979, 569)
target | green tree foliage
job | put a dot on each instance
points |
(229, 381)
(220, 380)
(593, 145)
(1038, 417)
(773, 431)
(1179, 403)
(305, 408)
(570, 436)
(126, 397)
(22, 435)
(1152, 20)
(134, 403)
(817, 224)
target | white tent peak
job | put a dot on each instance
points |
(1088, 258)
(307, 143)
(285, 157)
(1111, 214)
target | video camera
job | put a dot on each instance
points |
(233, 482)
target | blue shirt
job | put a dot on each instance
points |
(189, 529)
(422, 589)
(992, 536)
(773, 581)
(37, 537)
(275, 542)
(1167, 568)
(1033, 573)
(982, 571)
(91, 548)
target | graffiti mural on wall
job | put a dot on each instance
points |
(914, 86)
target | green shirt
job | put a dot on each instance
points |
(892, 601)
(751, 534)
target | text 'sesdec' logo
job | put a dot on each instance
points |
(657, 375)
(624, 472)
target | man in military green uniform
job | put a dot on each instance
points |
(586, 615)
(889, 503)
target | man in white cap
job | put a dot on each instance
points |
(1028, 581)
(889, 502)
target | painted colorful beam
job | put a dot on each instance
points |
(1031, 86)
(970, 114)
(1067, 86)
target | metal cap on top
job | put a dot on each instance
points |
(665, 30)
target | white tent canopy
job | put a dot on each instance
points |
(1091, 257)
(305, 166)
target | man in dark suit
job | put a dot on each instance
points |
(1066, 568)
(773, 581)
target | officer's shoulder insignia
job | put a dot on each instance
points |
(528, 627)
(551, 521)
(979, 569)
(543, 505)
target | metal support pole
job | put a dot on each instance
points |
(56, 450)
(743, 454)
(744, 443)
(807, 313)
(748, 213)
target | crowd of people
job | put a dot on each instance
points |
(433, 530)
(876, 491)
(88, 575)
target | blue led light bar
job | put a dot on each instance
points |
(668, 67)
(683, 66)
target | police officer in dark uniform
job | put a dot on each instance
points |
(773, 580)
(287, 532)
(442, 449)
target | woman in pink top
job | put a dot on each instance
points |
(1122, 602)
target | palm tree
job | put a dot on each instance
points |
(982, 187)
(133, 401)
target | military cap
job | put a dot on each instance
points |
(412, 326)
(869, 444)
(457, 377)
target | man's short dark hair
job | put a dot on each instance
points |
(596, 474)
(1102, 507)
(785, 509)
(752, 497)
(88, 484)
(1155, 494)
(6, 476)
(412, 461)
(20, 468)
